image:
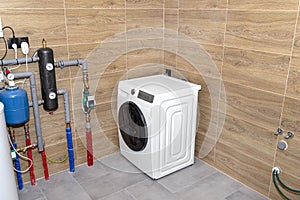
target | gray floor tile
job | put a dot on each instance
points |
(214, 187)
(114, 178)
(150, 189)
(110, 183)
(246, 193)
(121, 195)
(30, 192)
(85, 173)
(177, 181)
(118, 162)
(62, 186)
(199, 169)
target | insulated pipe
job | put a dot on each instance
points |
(65, 93)
(29, 154)
(87, 110)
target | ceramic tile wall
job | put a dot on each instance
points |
(254, 45)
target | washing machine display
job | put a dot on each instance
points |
(157, 123)
(133, 126)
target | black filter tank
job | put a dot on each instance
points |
(47, 76)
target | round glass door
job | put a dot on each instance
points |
(133, 127)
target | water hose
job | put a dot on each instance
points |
(275, 176)
(57, 161)
(286, 186)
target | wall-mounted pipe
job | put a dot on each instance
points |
(86, 107)
(36, 113)
(35, 106)
(65, 94)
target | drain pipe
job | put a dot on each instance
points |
(87, 106)
(65, 93)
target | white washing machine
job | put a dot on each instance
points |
(157, 123)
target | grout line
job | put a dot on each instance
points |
(220, 86)
(285, 91)
(126, 42)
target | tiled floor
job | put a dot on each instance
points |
(114, 178)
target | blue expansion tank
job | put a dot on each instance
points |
(16, 108)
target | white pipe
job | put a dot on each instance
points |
(8, 188)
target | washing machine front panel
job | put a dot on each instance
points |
(133, 126)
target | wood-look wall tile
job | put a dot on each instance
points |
(171, 4)
(170, 60)
(255, 106)
(95, 25)
(144, 3)
(171, 19)
(17, 4)
(293, 84)
(288, 178)
(289, 160)
(203, 59)
(101, 58)
(53, 132)
(145, 70)
(265, 71)
(144, 57)
(270, 31)
(205, 26)
(35, 24)
(140, 18)
(205, 137)
(250, 171)
(106, 116)
(263, 5)
(296, 49)
(106, 90)
(95, 4)
(202, 4)
(246, 137)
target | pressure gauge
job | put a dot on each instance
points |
(52, 95)
(10, 76)
(49, 66)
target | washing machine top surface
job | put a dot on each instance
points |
(157, 85)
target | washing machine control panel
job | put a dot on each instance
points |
(146, 96)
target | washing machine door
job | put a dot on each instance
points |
(133, 127)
